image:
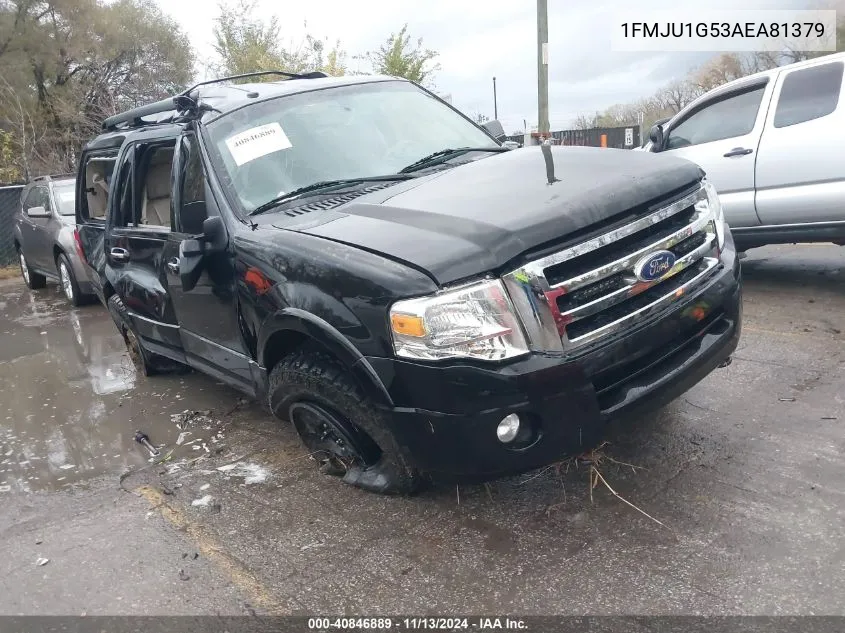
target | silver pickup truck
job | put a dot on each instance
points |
(773, 144)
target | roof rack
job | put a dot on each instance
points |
(183, 102)
(134, 116)
(281, 73)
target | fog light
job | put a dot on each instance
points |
(508, 428)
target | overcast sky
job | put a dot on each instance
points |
(500, 39)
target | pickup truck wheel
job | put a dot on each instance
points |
(337, 423)
(33, 280)
(145, 362)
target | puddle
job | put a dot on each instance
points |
(72, 400)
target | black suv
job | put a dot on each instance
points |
(417, 299)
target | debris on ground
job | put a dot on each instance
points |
(207, 502)
(183, 575)
(42, 561)
(252, 473)
(144, 440)
(182, 436)
(205, 487)
(786, 399)
(202, 501)
(188, 419)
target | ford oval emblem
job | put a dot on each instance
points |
(654, 265)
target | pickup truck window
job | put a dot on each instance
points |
(809, 93)
(727, 117)
(276, 146)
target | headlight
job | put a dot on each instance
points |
(475, 321)
(715, 205)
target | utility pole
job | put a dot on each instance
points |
(495, 103)
(543, 68)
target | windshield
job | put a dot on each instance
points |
(65, 196)
(374, 129)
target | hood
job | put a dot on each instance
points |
(479, 216)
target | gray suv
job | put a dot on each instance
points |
(46, 238)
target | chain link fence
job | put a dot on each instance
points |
(10, 203)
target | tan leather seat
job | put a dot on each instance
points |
(156, 206)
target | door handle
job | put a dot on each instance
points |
(738, 151)
(119, 254)
(173, 265)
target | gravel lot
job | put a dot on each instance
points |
(745, 473)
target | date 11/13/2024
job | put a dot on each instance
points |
(417, 623)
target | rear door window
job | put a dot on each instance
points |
(98, 174)
(809, 93)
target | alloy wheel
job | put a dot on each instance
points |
(24, 268)
(67, 283)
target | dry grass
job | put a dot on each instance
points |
(594, 459)
(9, 272)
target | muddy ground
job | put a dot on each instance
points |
(745, 472)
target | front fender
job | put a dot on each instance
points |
(326, 335)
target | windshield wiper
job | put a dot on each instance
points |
(445, 154)
(322, 186)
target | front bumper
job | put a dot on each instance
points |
(446, 416)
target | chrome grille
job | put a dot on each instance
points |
(578, 295)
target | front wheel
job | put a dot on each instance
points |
(33, 280)
(338, 424)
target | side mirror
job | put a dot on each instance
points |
(37, 212)
(494, 128)
(655, 135)
(511, 144)
(193, 251)
(214, 234)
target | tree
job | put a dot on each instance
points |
(585, 122)
(676, 95)
(399, 58)
(335, 64)
(67, 64)
(245, 43)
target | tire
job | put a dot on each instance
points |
(309, 383)
(145, 362)
(68, 283)
(33, 280)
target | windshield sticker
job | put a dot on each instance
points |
(257, 142)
